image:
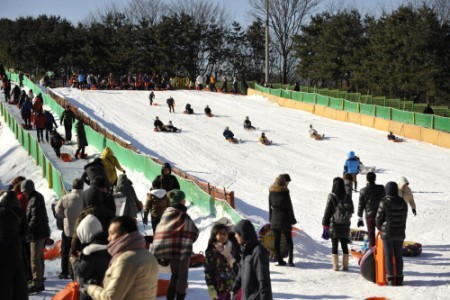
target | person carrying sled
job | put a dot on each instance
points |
(171, 103)
(56, 141)
(248, 124)
(159, 125)
(264, 140)
(391, 222)
(188, 109)
(67, 117)
(369, 200)
(229, 135)
(351, 166)
(151, 97)
(336, 222)
(208, 111)
(281, 216)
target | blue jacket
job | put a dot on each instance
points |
(351, 165)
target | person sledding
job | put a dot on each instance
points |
(208, 111)
(158, 124)
(229, 135)
(170, 128)
(264, 140)
(188, 109)
(314, 134)
(248, 124)
(391, 137)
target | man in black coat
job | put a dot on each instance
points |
(254, 274)
(81, 139)
(93, 170)
(39, 232)
(67, 117)
(166, 180)
(391, 221)
(158, 124)
(171, 104)
(369, 200)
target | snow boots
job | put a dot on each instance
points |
(394, 280)
(335, 261)
(390, 280)
(345, 262)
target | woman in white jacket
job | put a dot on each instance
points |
(405, 192)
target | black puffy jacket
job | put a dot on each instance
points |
(167, 182)
(337, 230)
(37, 217)
(281, 214)
(391, 218)
(369, 199)
(94, 169)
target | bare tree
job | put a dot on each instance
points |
(285, 20)
(149, 11)
(441, 8)
(201, 10)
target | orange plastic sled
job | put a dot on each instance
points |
(53, 253)
(66, 157)
(380, 267)
(163, 285)
(70, 292)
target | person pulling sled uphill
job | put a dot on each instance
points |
(188, 109)
(171, 103)
(229, 135)
(56, 141)
(351, 166)
(49, 122)
(67, 117)
(25, 111)
(208, 111)
(314, 134)
(248, 124)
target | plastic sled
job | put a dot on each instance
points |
(54, 252)
(70, 292)
(357, 234)
(367, 265)
(267, 239)
(155, 104)
(163, 285)
(66, 157)
(380, 266)
(210, 115)
(197, 260)
(357, 254)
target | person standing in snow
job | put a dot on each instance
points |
(405, 192)
(56, 141)
(67, 117)
(39, 123)
(254, 275)
(221, 262)
(208, 111)
(339, 231)
(171, 103)
(391, 222)
(351, 166)
(25, 111)
(235, 85)
(369, 200)
(151, 97)
(172, 241)
(93, 170)
(49, 122)
(156, 204)
(281, 216)
(111, 163)
(166, 180)
(132, 203)
(81, 139)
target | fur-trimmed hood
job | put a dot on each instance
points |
(88, 250)
(276, 188)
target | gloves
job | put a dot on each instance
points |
(360, 222)
(325, 233)
(414, 211)
(212, 292)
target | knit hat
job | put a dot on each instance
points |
(176, 196)
(158, 193)
(391, 188)
(27, 186)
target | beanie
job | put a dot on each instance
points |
(176, 196)
(27, 186)
(391, 188)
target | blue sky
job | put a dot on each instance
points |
(76, 10)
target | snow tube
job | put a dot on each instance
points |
(411, 248)
(54, 252)
(70, 292)
(267, 238)
(163, 285)
(367, 265)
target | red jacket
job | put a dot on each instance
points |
(39, 121)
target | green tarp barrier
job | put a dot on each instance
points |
(286, 94)
(336, 103)
(424, 120)
(383, 112)
(322, 100)
(351, 106)
(402, 116)
(309, 98)
(367, 109)
(441, 123)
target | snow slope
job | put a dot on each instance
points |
(249, 168)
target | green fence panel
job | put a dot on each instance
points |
(442, 123)
(57, 182)
(407, 105)
(418, 107)
(198, 197)
(322, 100)
(423, 120)
(94, 138)
(355, 97)
(33, 150)
(351, 106)
(336, 103)
(402, 116)
(367, 109)
(286, 94)
(297, 96)
(276, 92)
(383, 112)
(380, 101)
(441, 110)
(367, 99)
(305, 89)
(309, 98)
(395, 103)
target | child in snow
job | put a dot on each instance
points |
(351, 166)
(188, 109)
(221, 262)
(314, 134)
(56, 141)
(340, 229)
(248, 124)
(264, 140)
(157, 202)
(158, 124)
(208, 111)
(171, 103)
(229, 135)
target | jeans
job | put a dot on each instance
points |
(335, 244)
(370, 222)
(393, 250)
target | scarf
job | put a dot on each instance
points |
(126, 242)
(225, 250)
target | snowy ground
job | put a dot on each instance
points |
(249, 168)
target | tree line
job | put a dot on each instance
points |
(403, 54)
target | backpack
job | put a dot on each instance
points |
(342, 211)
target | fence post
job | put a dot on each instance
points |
(50, 175)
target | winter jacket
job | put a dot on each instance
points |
(254, 274)
(81, 135)
(94, 169)
(37, 105)
(228, 134)
(166, 181)
(405, 192)
(26, 107)
(391, 218)
(131, 276)
(49, 120)
(247, 124)
(56, 140)
(69, 208)
(14, 222)
(175, 234)
(337, 230)
(67, 117)
(37, 217)
(369, 199)
(125, 186)
(157, 202)
(281, 214)
(158, 124)
(110, 163)
(21, 197)
(351, 165)
(218, 272)
(13, 281)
